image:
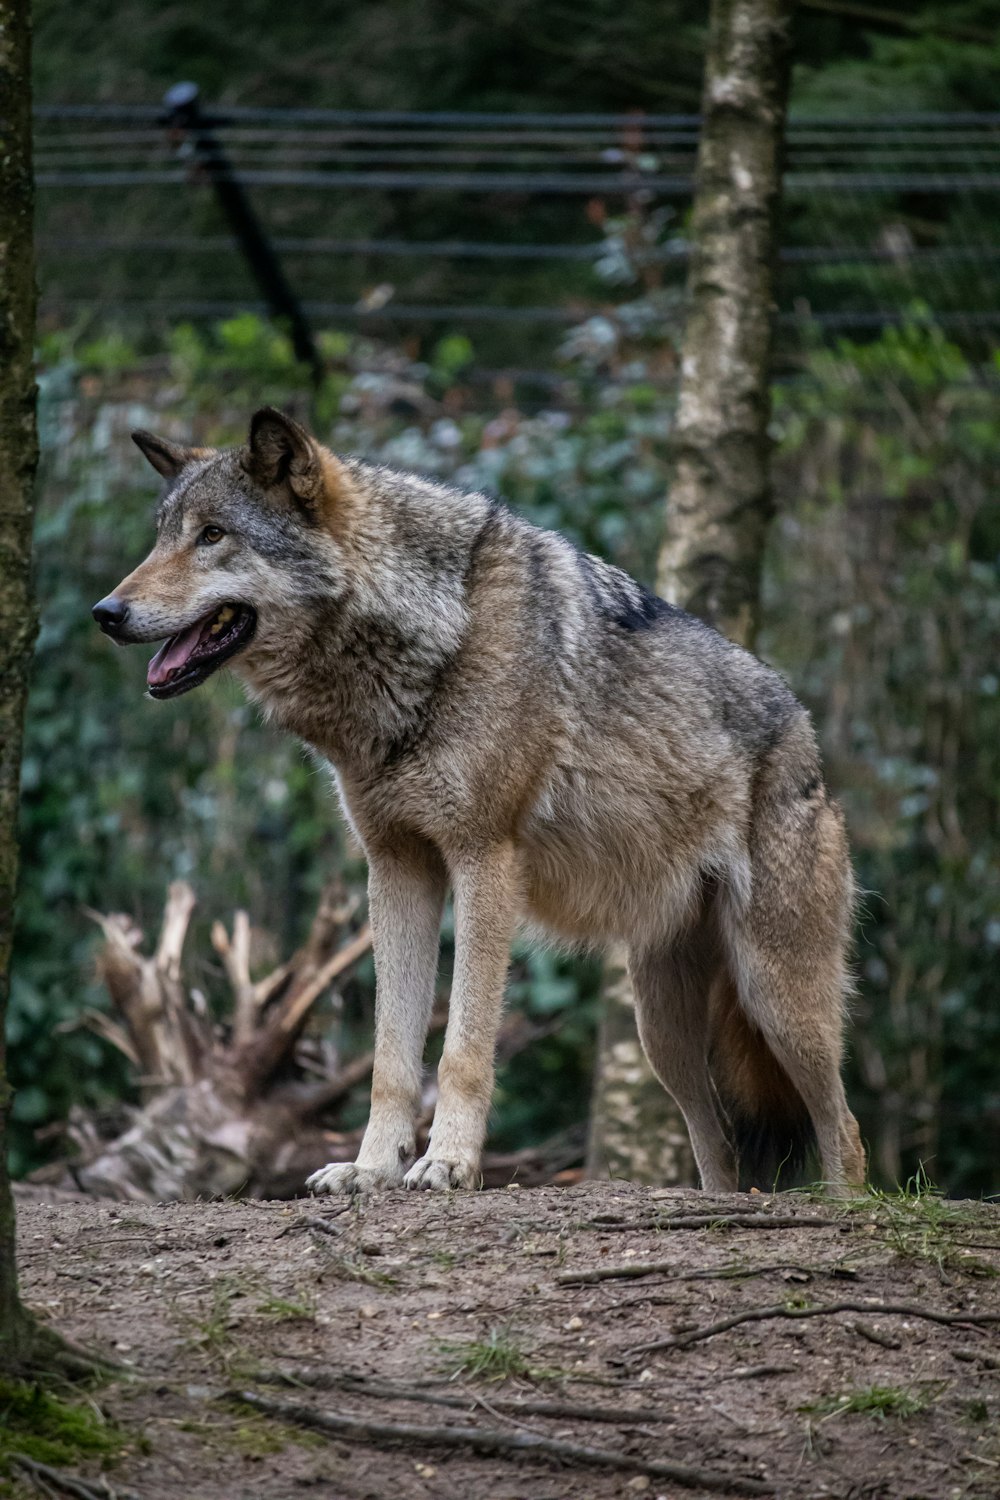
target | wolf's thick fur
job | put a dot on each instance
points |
(527, 725)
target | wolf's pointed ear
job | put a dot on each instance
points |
(166, 457)
(279, 451)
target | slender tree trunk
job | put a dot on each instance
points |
(720, 499)
(24, 1344)
(18, 458)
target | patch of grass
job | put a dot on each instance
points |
(877, 1401)
(281, 1311)
(497, 1357)
(358, 1268)
(977, 1410)
(212, 1331)
(918, 1223)
(50, 1430)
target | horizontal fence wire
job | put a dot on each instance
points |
(496, 250)
(795, 183)
(903, 202)
(484, 313)
(462, 118)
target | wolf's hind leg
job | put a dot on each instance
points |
(672, 987)
(484, 889)
(406, 894)
(787, 951)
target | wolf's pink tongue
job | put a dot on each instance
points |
(173, 654)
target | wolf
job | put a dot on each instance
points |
(513, 719)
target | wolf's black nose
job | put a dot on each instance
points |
(110, 614)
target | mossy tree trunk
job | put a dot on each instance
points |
(24, 1345)
(720, 499)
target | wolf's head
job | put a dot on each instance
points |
(245, 537)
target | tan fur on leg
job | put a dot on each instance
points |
(485, 891)
(406, 894)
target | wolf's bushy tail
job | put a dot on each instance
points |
(768, 1123)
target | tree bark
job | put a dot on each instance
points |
(18, 459)
(720, 499)
(24, 1344)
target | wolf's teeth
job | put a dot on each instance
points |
(222, 618)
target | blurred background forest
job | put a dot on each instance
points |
(482, 209)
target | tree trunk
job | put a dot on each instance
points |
(720, 498)
(24, 1344)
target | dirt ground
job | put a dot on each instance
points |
(472, 1297)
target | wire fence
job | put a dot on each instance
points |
(452, 219)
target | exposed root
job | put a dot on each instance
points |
(386, 1390)
(50, 1481)
(755, 1220)
(762, 1314)
(635, 1270)
(487, 1440)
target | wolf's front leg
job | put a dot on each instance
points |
(405, 894)
(484, 886)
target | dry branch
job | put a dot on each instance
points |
(755, 1220)
(762, 1314)
(487, 1440)
(272, 1042)
(637, 1269)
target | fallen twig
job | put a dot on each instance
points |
(636, 1269)
(313, 1221)
(387, 1390)
(753, 1220)
(487, 1440)
(762, 1314)
(48, 1480)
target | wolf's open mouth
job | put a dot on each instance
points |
(187, 658)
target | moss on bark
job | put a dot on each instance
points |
(25, 1346)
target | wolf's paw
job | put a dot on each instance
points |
(348, 1177)
(439, 1174)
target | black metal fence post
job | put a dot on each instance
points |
(184, 119)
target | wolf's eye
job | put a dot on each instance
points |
(210, 535)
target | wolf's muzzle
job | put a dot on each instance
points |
(111, 614)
